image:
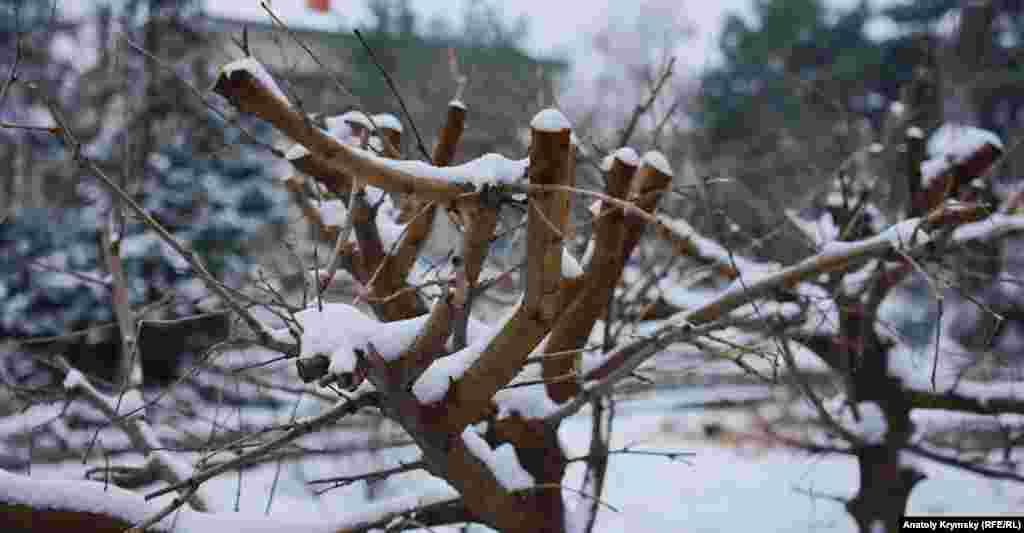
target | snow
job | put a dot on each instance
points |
(354, 117)
(24, 422)
(904, 234)
(458, 104)
(109, 500)
(710, 250)
(657, 160)
(433, 384)
(953, 144)
(550, 120)
(991, 227)
(333, 212)
(376, 144)
(897, 108)
(487, 169)
(931, 169)
(172, 461)
(387, 121)
(501, 461)
(872, 426)
(628, 156)
(915, 132)
(259, 73)
(296, 152)
(340, 329)
(570, 266)
(960, 142)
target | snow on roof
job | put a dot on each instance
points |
(501, 461)
(657, 160)
(339, 329)
(387, 121)
(550, 120)
(458, 104)
(259, 73)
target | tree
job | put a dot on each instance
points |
(482, 403)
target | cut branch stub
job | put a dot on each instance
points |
(549, 165)
(573, 328)
(451, 132)
(469, 397)
(650, 182)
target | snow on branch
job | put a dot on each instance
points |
(95, 506)
(247, 93)
(907, 235)
(502, 461)
(259, 73)
(127, 413)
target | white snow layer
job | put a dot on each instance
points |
(387, 121)
(627, 155)
(872, 426)
(501, 461)
(110, 500)
(458, 104)
(550, 119)
(953, 144)
(657, 160)
(570, 266)
(340, 329)
(960, 141)
(333, 212)
(259, 73)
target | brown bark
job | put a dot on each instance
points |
(598, 285)
(470, 396)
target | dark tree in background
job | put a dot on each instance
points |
(149, 132)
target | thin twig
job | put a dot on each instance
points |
(394, 90)
(264, 336)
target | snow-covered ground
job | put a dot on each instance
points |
(719, 488)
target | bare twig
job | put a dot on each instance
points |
(391, 85)
(265, 337)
